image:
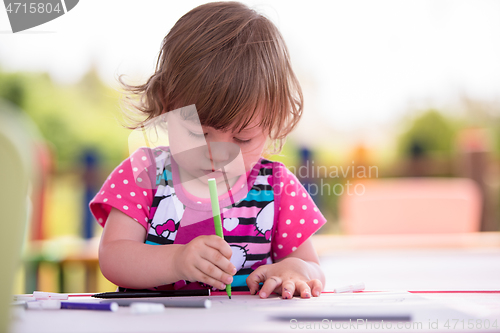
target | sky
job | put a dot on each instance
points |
(362, 64)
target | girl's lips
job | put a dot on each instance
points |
(216, 173)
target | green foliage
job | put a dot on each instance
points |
(71, 117)
(429, 133)
(12, 88)
(496, 137)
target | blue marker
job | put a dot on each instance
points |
(57, 304)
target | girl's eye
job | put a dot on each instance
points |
(242, 141)
(195, 135)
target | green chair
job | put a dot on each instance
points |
(15, 165)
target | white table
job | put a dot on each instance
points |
(382, 270)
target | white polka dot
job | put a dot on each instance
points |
(135, 169)
(315, 221)
(304, 194)
(148, 207)
(294, 248)
(135, 220)
(102, 192)
(145, 193)
(299, 235)
(243, 185)
(304, 207)
(139, 206)
(105, 199)
(118, 196)
(293, 194)
(146, 169)
(198, 202)
(132, 194)
(144, 158)
(146, 219)
(315, 209)
(284, 235)
(125, 181)
(275, 254)
(282, 184)
(112, 185)
(302, 221)
(279, 208)
(280, 246)
(132, 159)
(120, 171)
(100, 220)
(125, 207)
(291, 207)
(292, 182)
(139, 180)
(288, 221)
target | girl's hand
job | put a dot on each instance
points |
(288, 277)
(206, 259)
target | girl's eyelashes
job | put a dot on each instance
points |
(242, 141)
(203, 135)
(198, 136)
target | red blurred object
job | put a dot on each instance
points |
(43, 167)
(412, 206)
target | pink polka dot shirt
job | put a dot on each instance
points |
(294, 217)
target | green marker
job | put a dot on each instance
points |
(214, 198)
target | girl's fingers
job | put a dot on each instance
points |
(316, 287)
(288, 289)
(204, 278)
(269, 286)
(217, 259)
(220, 245)
(303, 289)
(256, 277)
(213, 271)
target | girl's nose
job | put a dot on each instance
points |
(222, 153)
(217, 151)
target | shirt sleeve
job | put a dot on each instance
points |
(298, 217)
(127, 190)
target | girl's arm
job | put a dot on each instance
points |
(127, 262)
(297, 274)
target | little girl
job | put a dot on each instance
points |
(231, 66)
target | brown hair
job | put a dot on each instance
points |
(232, 63)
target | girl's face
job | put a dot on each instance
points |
(202, 152)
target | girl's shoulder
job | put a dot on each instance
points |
(130, 187)
(147, 164)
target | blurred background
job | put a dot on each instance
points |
(400, 134)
